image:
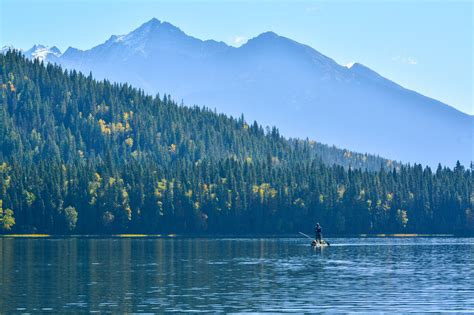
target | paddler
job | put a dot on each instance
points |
(319, 233)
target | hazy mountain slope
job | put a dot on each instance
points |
(280, 82)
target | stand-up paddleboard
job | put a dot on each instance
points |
(316, 243)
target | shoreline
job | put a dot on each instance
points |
(207, 236)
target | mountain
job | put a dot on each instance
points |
(280, 82)
(44, 53)
(87, 157)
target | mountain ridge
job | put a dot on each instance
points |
(271, 34)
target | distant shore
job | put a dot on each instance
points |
(132, 235)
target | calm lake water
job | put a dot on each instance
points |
(236, 275)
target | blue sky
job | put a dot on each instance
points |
(423, 45)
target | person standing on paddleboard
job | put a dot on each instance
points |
(319, 233)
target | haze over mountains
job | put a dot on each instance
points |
(280, 82)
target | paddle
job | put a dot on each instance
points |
(305, 235)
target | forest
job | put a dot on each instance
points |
(81, 156)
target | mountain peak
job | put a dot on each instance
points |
(147, 31)
(42, 52)
(70, 50)
(154, 20)
(35, 46)
(359, 66)
(155, 24)
(55, 50)
(364, 70)
(266, 38)
(273, 38)
(268, 34)
(71, 53)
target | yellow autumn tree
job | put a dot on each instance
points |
(129, 142)
(7, 220)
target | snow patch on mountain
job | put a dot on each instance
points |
(43, 53)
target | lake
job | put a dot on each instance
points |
(236, 275)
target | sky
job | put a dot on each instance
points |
(426, 46)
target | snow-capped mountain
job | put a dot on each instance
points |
(280, 82)
(44, 53)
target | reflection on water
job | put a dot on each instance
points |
(156, 275)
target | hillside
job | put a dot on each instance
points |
(308, 94)
(82, 156)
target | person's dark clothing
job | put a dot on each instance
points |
(319, 233)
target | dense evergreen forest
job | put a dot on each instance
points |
(82, 156)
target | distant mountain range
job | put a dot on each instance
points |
(280, 82)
